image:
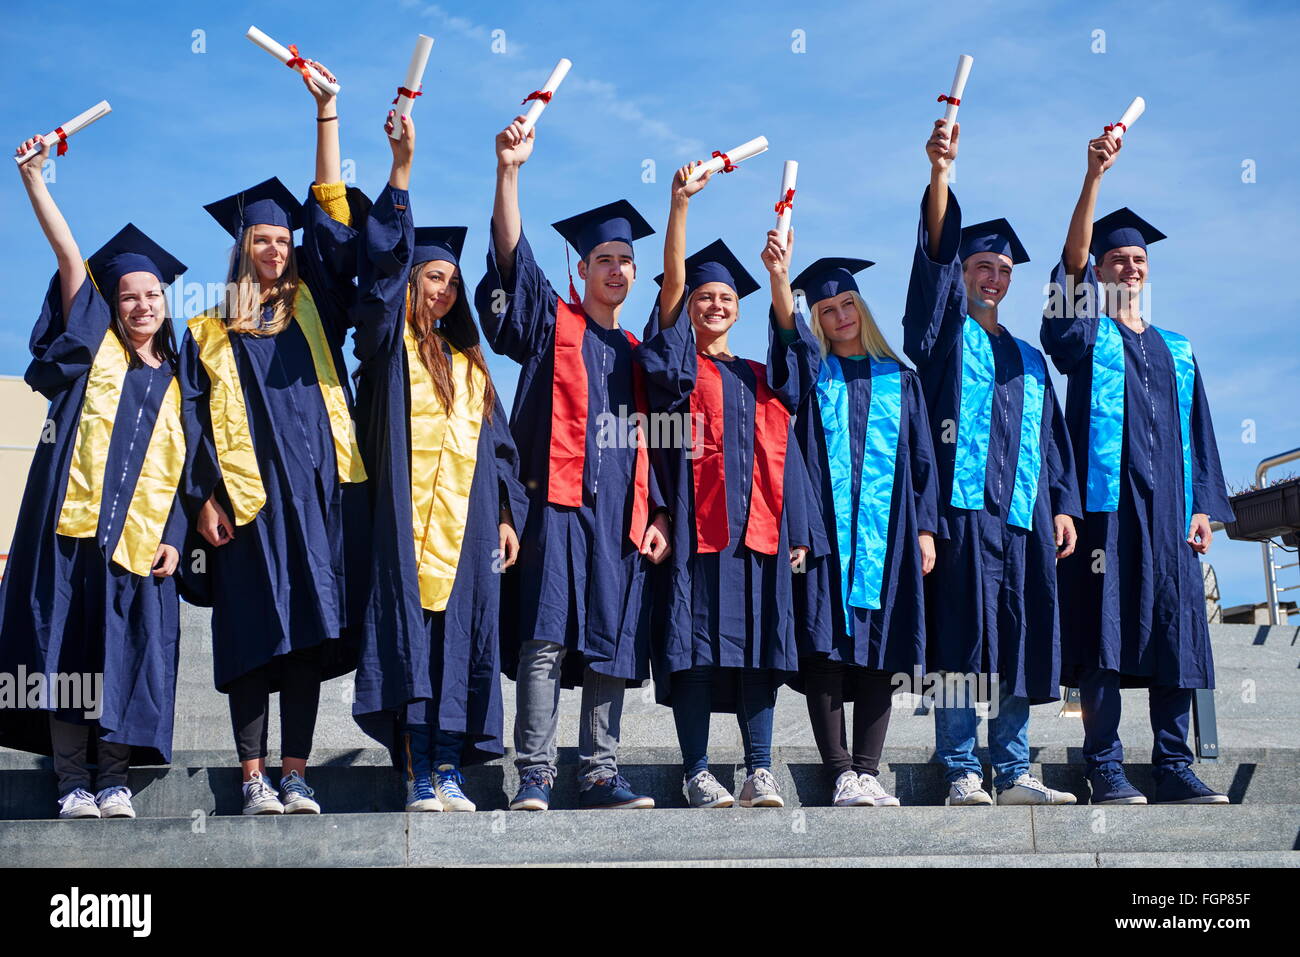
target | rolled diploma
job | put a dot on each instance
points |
(742, 152)
(1135, 109)
(77, 123)
(414, 77)
(788, 176)
(552, 84)
(284, 56)
(958, 88)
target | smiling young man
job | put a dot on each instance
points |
(1132, 598)
(575, 610)
(1006, 497)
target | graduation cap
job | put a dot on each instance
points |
(716, 263)
(613, 222)
(439, 242)
(829, 277)
(269, 203)
(1122, 228)
(994, 236)
(127, 252)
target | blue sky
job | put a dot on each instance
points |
(671, 82)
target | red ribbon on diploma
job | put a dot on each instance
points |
(63, 141)
(1111, 126)
(404, 92)
(544, 96)
(786, 202)
(727, 166)
(945, 98)
(296, 62)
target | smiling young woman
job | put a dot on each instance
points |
(89, 587)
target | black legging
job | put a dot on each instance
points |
(250, 697)
(828, 684)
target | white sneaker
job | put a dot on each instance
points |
(260, 797)
(760, 790)
(876, 791)
(115, 802)
(968, 790)
(449, 793)
(420, 795)
(1027, 789)
(848, 791)
(296, 797)
(704, 790)
(78, 803)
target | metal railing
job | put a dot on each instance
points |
(1270, 570)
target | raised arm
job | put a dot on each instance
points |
(72, 271)
(328, 168)
(941, 149)
(513, 148)
(776, 257)
(1101, 156)
(674, 284)
(388, 240)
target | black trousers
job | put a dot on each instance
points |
(250, 702)
(827, 685)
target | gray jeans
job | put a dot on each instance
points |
(537, 714)
(69, 743)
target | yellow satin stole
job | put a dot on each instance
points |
(444, 450)
(230, 432)
(160, 474)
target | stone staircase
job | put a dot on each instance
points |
(189, 812)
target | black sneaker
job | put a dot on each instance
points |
(1110, 786)
(1181, 786)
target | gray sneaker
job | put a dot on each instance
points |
(115, 802)
(873, 789)
(78, 803)
(260, 797)
(1027, 789)
(760, 790)
(968, 790)
(704, 790)
(296, 797)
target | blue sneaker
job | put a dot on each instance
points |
(420, 794)
(1181, 786)
(534, 792)
(612, 793)
(1110, 786)
(449, 792)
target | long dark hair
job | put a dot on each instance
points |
(163, 342)
(459, 329)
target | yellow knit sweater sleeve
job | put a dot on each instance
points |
(333, 198)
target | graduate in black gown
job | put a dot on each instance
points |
(88, 605)
(740, 515)
(575, 608)
(274, 467)
(443, 473)
(1007, 493)
(864, 433)
(1132, 599)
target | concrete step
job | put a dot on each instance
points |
(361, 780)
(1260, 835)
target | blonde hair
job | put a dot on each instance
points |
(873, 340)
(242, 308)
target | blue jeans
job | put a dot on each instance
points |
(954, 739)
(693, 703)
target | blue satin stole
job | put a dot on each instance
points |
(861, 537)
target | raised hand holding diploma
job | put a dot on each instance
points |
(60, 134)
(410, 89)
(290, 58)
(785, 201)
(515, 144)
(540, 98)
(954, 95)
(726, 162)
